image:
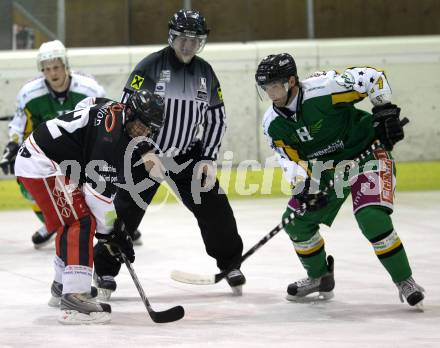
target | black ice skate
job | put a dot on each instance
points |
(106, 285)
(236, 280)
(57, 290)
(412, 292)
(41, 237)
(77, 309)
(324, 285)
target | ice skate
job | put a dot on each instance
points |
(41, 237)
(137, 238)
(56, 291)
(106, 286)
(324, 286)
(411, 292)
(236, 280)
(78, 309)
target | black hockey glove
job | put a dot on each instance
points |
(7, 161)
(118, 241)
(387, 125)
(312, 201)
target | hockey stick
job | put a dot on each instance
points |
(190, 278)
(6, 118)
(169, 315)
(197, 279)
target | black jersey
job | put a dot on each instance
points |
(193, 101)
(91, 140)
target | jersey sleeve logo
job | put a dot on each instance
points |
(137, 82)
(220, 93)
(346, 80)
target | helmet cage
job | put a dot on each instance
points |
(191, 35)
(262, 89)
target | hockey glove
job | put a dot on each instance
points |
(311, 201)
(118, 241)
(7, 161)
(387, 125)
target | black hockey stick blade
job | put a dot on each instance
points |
(199, 279)
(404, 121)
(166, 316)
(6, 118)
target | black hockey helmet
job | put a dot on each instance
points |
(189, 22)
(275, 67)
(147, 108)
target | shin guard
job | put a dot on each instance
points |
(377, 227)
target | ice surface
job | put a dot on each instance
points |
(365, 312)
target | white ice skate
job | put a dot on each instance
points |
(56, 291)
(77, 309)
(412, 292)
(324, 286)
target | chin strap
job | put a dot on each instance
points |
(289, 94)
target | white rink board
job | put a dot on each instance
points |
(365, 312)
(410, 62)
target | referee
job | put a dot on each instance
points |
(192, 132)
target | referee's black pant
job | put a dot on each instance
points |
(213, 213)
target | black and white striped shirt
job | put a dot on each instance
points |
(193, 99)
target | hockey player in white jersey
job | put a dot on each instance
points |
(52, 94)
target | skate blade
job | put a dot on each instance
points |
(40, 245)
(104, 294)
(326, 295)
(54, 302)
(137, 242)
(321, 297)
(237, 290)
(420, 307)
(70, 317)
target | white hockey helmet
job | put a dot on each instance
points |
(52, 50)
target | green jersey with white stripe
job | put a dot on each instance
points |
(321, 122)
(37, 103)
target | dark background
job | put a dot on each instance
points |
(143, 22)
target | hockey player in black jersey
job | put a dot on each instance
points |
(195, 122)
(72, 166)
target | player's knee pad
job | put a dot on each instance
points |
(75, 241)
(105, 264)
(374, 221)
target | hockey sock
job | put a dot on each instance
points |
(312, 255)
(38, 213)
(377, 226)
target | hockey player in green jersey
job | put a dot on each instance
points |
(315, 129)
(54, 93)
